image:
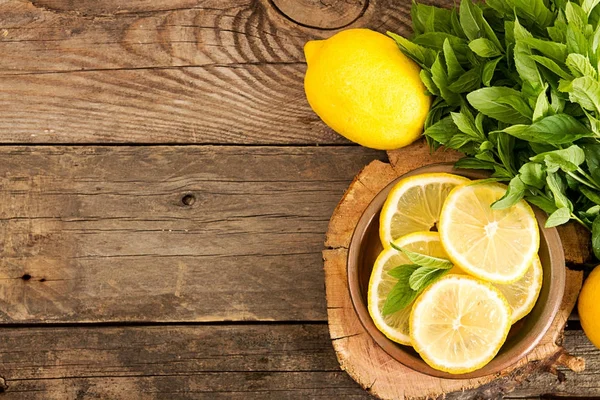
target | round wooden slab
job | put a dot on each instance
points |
(356, 351)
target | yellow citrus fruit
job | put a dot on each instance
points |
(414, 204)
(589, 307)
(459, 323)
(523, 294)
(364, 88)
(494, 245)
(395, 326)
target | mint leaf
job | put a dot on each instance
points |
(515, 192)
(467, 82)
(596, 237)
(543, 203)
(424, 260)
(518, 103)
(558, 32)
(526, 65)
(469, 19)
(484, 48)
(556, 102)
(421, 55)
(435, 40)
(580, 65)
(401, 294)
(506, 144)
(592, 159)
(576, 41)
(557, 188)
(440, 78)
(568, 159)
(588, 5)
(533, 174)
(427, 18)
(401, 271)
(466, 124)
(488, 71)
(442, 131)
(554, 50)
(585, 91)
(473, 163)
(590, 194)
(485, 100)
(593, 211)
(534, 11)
(453, 66)
(575, 15)
(551, 65)
(425, 276)
(501, 6)
(542, 106)
(554, 129)
(398, 298)
(428, 82)
(558, 217)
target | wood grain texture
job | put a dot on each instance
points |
(358, 353)
(104, 235)
(209, 362)
(174, 71)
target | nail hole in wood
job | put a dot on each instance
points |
(26, 277)
(43, 280)
(188, 199)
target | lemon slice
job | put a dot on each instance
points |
(523, 294)
(395, 326)
(414, 204)
(459, 323)
(493, 245)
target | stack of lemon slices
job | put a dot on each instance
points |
(460, 321)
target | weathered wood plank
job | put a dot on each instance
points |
(181, 362)
(252, 104)
(178, 362)
(170, 71)
(63, 35)
(105, 234)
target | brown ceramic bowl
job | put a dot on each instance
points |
(524, 335)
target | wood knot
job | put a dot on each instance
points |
(321, 14)
(188, 200)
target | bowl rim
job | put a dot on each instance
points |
(500, 361)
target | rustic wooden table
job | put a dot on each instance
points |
(165, 189)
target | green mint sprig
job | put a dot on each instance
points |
(413, 278)
(517, 90)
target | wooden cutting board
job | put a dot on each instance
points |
(358, 353)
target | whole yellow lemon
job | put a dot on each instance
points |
(589, 307)
(364, 88)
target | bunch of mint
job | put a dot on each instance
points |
(517, 90)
